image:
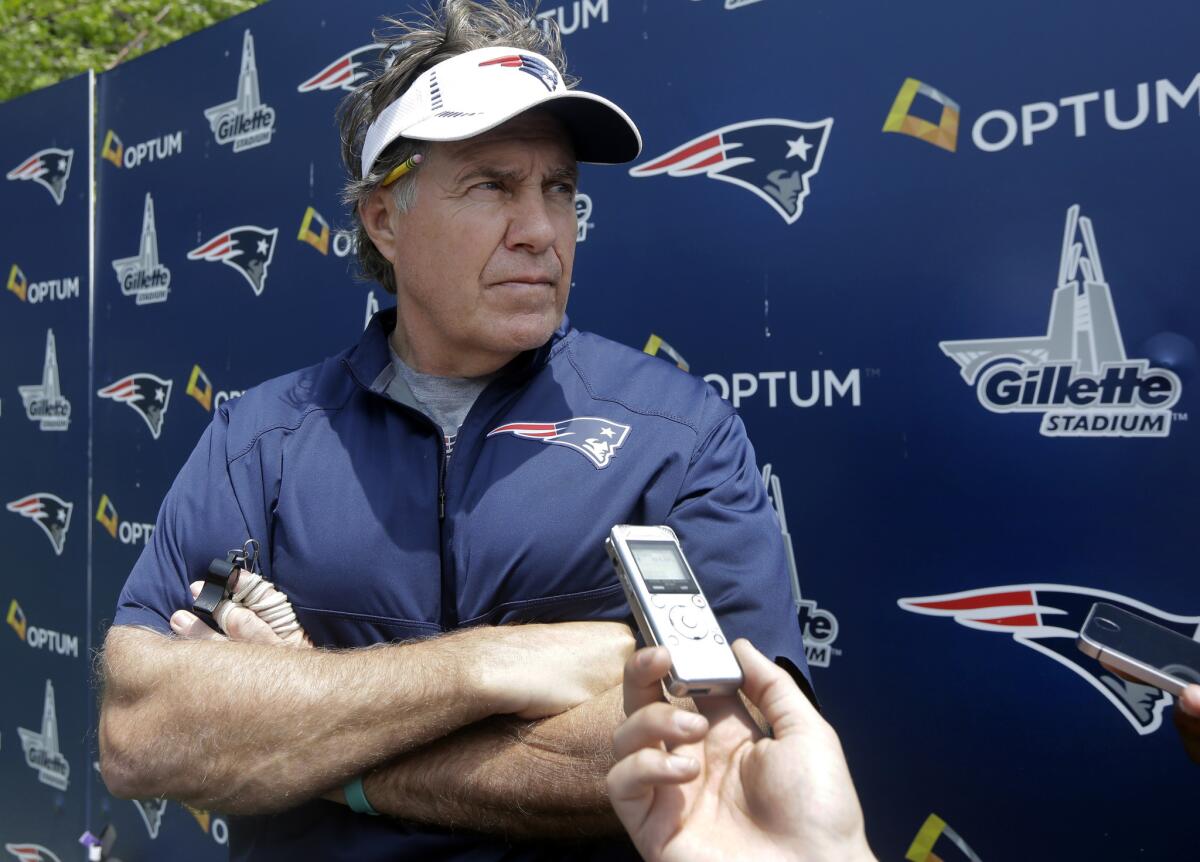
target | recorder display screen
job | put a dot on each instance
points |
(662, 567)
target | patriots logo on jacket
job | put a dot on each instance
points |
(535, 66)
(596, 438)
(31, 853)
(148, 394)
(1047, 618)
(50, 512)
(772, 158)
(344, 73)
(49, 168)
(247, 248)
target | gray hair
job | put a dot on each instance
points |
(450, 28)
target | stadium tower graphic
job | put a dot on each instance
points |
(1077, 374)
(245, 121)
(44, 402)
(41, 749)
(142, 275)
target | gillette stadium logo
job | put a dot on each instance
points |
(142, 276)
(245, 121)
(1077, 375)
(1048, 618)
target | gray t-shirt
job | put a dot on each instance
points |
(445, 400)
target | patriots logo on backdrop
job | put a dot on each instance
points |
(31, 853)
(50, 512)
(247, 248)
(772, 158)
(1047, 618)
(597, 439)
(146, 393)
(152, 814)
(344, 73)
(49, 168)
(535, 66)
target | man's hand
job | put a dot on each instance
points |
(241, 624)
(1187, 720)
(691, 788)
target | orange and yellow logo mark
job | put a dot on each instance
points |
(106, 514)
(113, 149)
(16, 619)
(200, 388)
(202, 816)
(317, 239)
(17, 282)
(944, 134)
(655, 345)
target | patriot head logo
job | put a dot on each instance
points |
(247, 248)
(530, 65)
(50, 512)
(148, 394)
(48, 168)
(31, 853)
(773, 158)
(1047, 618)
(596, 439)
(346, 72)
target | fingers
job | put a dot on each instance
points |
(655, 725)
(1189, 701)
(644, 671)
(188, 625)
(770, 688)
(634, 777)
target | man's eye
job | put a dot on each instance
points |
(488, 186)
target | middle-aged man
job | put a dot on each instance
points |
(440, 492)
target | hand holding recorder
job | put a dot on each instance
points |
(696, 788)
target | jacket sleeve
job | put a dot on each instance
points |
(733, 540)
(200, 519)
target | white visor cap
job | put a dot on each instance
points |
(471, 93)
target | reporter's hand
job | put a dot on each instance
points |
(1187, 720)
(717, 789)
(543, 669)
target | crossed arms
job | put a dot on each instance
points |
(451, 729)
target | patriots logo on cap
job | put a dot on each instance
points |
(346, 72)
(31, 853)
(148, 394)
(530, 65)
(50, 512)
(247, 248)
(596, 438)
(1047, 618)
(772, 158)
(49, 168)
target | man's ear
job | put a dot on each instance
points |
(378, 217)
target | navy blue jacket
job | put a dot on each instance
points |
(375, 540)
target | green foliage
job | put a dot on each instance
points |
(46, 41)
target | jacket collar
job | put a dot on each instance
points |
(370, 359)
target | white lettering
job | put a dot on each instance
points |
(744, 385)
(1164, 90)
(1028, 126)
(772, 377)
(344, 243)
(1143, 109)
(55, 642)
(1078, 103)
(580, 17)
(718, 381)
(154, 149)
(1010, 131)
(850, 384)
(816, 390)
(220, 831)
(223, 396)
(132, 532)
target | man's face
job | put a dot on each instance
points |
(483, 258)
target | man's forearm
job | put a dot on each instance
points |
(246, 728)
(543, 779)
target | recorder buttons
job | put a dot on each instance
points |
(698, 601)
(658, 601)
(719, 639)
(687, 622)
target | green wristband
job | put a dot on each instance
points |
(356, 798)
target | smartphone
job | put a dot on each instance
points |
(1144, 650)
(671, 610)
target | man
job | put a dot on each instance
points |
(440, 492)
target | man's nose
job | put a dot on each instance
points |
(530, 224)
